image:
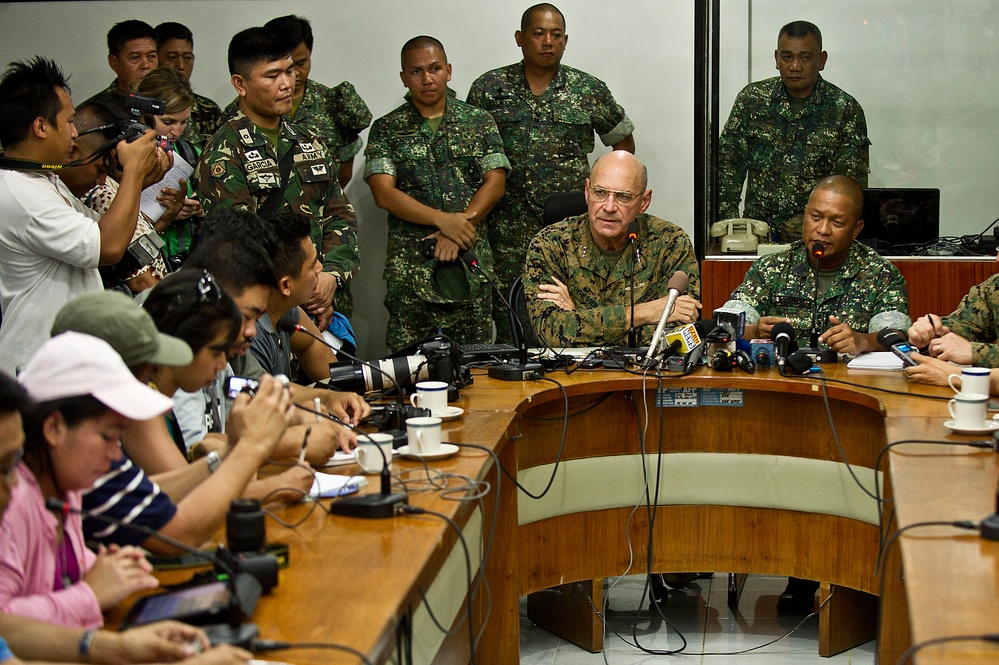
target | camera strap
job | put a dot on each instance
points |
(12, 164)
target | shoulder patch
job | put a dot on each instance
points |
(218, 170)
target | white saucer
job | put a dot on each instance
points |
(987, 427)
(447, 449)
(451, 413)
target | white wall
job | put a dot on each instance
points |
(925, 73)
(643, 49)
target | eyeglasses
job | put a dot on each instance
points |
(600, 194)
(206, 291)
(9, 470)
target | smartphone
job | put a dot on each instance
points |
(902, 350)
(239, 384)
(429, 247)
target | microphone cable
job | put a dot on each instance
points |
(261, 646)
(947, 639)
(415, 510)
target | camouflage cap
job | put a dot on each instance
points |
(122, 323)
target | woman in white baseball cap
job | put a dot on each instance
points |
(84, 396)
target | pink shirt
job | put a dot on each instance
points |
(28, 565)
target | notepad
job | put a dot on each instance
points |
(876, 360)
(327, 485)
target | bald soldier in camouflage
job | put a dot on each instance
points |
(547, 114)
(338, 115)
(437, 166)
(860, 293)
(786, 133)
(241, 166)
(970, 334)
(576, 278)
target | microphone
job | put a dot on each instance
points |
(677, 284)
(244, 589)
(633, 232)
(896, 342)
(524, 370)
(889, 337)
(782, 335)
(798, 362)
(633, 241)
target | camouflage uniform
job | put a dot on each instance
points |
(206, 118)
(867, 293)
(785, 150)
(443, 170)
(599, 291)
(975, 320)
(547, 139)
(239, 167)
(337, 115)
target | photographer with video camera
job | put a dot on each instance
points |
(50, 244)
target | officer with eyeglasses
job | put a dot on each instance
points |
(578, 271)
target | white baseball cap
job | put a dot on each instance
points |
(73, 364)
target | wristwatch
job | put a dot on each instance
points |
(214, 461)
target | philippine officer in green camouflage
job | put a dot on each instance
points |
(242, 164)
(435, 162)
(786, 133)
(175, 50)
(576, 278)
(970, 334)
(860, 293)
(338, 115)
(547, 114)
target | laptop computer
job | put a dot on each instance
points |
(899, 216)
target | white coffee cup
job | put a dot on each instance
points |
(968, 410)
(367, 455)
(424, 435)
(974, 381)
(430, 395)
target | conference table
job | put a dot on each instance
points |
(748, 475)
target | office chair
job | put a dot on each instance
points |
(563, 204)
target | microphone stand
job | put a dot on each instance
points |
(633, 241)
(383, 504)
(818, 250)
(524, 370)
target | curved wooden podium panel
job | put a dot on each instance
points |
(758, 485)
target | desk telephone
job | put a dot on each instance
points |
(739, 235)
